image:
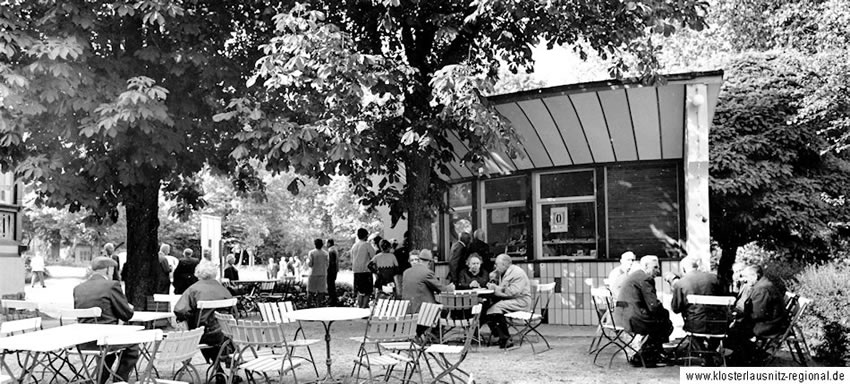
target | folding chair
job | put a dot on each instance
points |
(180, 347)
(226, 322)
(789, 337)
(19, 309)
(401, 329)
(604, 302)
(266, 292)
(70, 316)
(718, 313)
(428, 319)
(117, 343)
(439, 351)
(531, 320)
(276, 313)
(602, 317)
(791, 302)
(457, 309)
(386, 308)
(250, 336)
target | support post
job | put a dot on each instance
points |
(696, 172)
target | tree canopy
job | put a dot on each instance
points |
(371, 90)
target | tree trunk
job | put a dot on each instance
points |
(419, 213)
(142, 204)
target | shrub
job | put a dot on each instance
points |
(825, 323)
(781, 269)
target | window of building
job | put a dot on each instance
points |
(505, 215)
(7, 188)
(565, 208)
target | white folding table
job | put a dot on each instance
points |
(45, 347)
(148, 318)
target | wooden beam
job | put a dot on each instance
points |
(696, 171)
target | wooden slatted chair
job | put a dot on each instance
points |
(439, 353)
(180, 347)
(429, 316)
(249, 337)
(266, 292)
(602, 317)
(226, 322)
(370, 355)
(19, 309)
(789, 337)
(718, 317)
(276, 313)
(15, 327)
(457, 308)
(529, 321)
(147, 340)
(384, 309)
(89, 315)
(615, 335)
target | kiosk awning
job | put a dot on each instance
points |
(597, 122)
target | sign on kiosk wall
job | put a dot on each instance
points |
(211, 236)
(558, 219)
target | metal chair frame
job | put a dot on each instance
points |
(790, 337)
(604, 302)
(439, 351)
(400, 329)
(275, 312)
(530, 321)
(457, 316)
(719, 317)
(180, 347)
(249, 337)
(116, 345)
(428, 319)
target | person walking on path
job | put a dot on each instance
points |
(317, 282)
(37, 267)
(361, 253)
(333, 269)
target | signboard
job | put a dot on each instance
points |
(211, 236)
(500, 216)
(558, 219)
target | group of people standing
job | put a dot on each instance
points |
(759, 306)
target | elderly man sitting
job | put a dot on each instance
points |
(760, 313)
(513, 293)
(186, 309)
(99, 290)
(639, 311)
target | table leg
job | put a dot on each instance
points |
(330, 375)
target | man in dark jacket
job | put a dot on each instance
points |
(109, 251)
(333, 269)
(419, 284)
(695, 282)
(101, 291)
(184, 273)
(458, 256)
(163, 273)
(763, 315)
(638, 310)
(482, 249)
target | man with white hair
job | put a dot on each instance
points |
(186, 309)
(511, 294)
(638, 310)
(163, 273)
(109, 251)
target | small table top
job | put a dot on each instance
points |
(146, 316)
(478, 291)
(329, 314)
(67, 336)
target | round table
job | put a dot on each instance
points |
(327, 316)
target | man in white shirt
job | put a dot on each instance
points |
(361, 253)
(627, 259)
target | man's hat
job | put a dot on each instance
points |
(102, 262)
(426, 255)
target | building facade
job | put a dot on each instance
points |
(11, 263)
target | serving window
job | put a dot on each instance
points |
(566, 214)
(460, 213)
(505, 215)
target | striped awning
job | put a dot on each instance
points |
(590, 123)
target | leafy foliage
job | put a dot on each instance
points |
(371, 90)
(825, 323)
(771, 179)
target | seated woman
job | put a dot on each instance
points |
(186, 309)
(385, 266)
(473, 276)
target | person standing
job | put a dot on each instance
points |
(317, 282)
(333, 269)
(361, 253)
(184, 273)
(402, 254)
(231, 273)
(99, 290)
(242, 256)
(458, 257)
(479, 246)
(163, 271)
(272, 269)
(37, 267)
(109, 251)
(385, 268)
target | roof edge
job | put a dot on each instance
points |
(715, 76)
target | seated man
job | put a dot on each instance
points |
(615, 279)
(638, 310)
(697, 317)
(99, 290)
(186, 308)
(419, 284)
(763, 315)
(473, 276)
(513, 293)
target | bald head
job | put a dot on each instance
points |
(503, 261)
(649, 264)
